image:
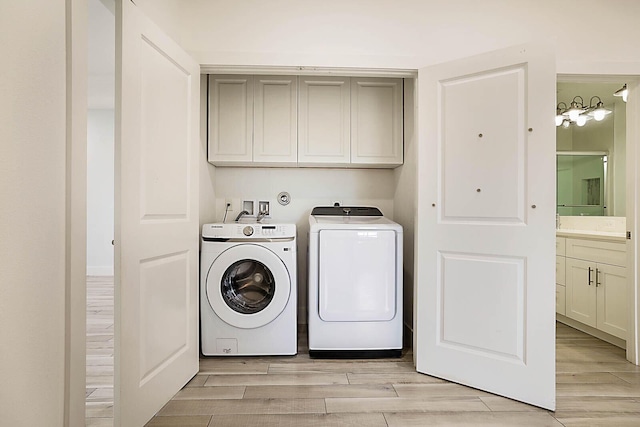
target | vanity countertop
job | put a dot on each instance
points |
(617, 236)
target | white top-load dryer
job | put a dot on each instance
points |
(355, 283)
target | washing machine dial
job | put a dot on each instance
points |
(248, 230)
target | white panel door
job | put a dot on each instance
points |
(485, 293)
(275, 139)
(323, 127)
(156, 218)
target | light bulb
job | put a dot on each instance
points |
(599, 114)
(566, 123)
(581, 120)
(559, 119)
(573, 114)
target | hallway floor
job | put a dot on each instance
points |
(596, 386)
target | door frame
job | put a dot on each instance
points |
(632, 194)
(75, 295)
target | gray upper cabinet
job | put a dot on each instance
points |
(230, 120)
(376, 122)
(307, 121)
(275, 119)
(323, 130)
(252, 120)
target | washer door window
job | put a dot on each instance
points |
(248, 286)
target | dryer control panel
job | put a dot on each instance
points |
(246, 231)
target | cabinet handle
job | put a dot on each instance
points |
(590, 281)
(597, 278)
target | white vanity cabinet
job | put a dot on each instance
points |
(560, 276)
(596, 285)
(253, 120)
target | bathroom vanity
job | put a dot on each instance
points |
(591, 282)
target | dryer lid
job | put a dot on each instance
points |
(346, 211)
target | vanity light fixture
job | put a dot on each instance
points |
(598, 112)
(623, 92)
(576, 108)
(559, 113)
(581, 120)
(577, 113)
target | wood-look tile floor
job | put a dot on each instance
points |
(99, 395)
(596, 386)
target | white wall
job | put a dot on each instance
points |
(32, 219)
(398, 34)
(308, 187)
(404, 201)
(619, 163)
(100, 180)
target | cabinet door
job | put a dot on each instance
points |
(376, 122)
(324, 121)
(561, 245)
(230, 120)
(612, 300)
(275, 120)
(560, 270)
(580, 291)
(561, 305)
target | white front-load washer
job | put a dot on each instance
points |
(248, 289)
(355, 283)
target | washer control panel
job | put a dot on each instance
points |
(248, 231)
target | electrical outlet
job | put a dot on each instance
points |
(228, 204)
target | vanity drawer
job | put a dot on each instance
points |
(561, 298)
(597, 251)
(561, 245)
(560, 270)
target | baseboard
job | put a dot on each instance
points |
(106, 270)
(592, 331)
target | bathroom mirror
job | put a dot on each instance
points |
(581, 183)
(581, 147)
